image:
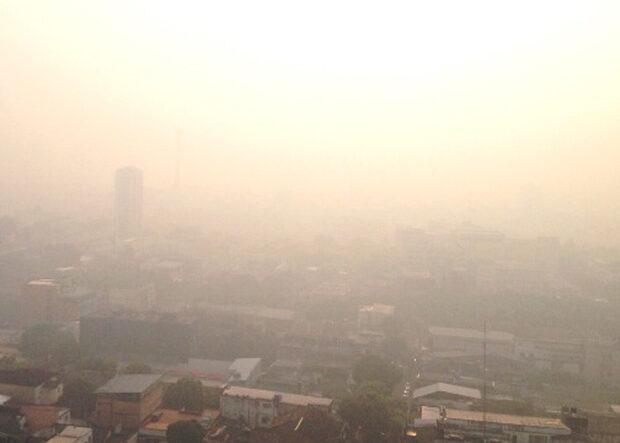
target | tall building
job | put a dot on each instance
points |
(128, 202)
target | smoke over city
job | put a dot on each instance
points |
(327, 222)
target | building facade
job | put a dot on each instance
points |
(257, 408)
(31, 386)
(127, 400)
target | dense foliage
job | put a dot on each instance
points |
(186, 431)
(372, 415)
(375, 369)
(185, 394)
(49, 344)
(78, 395)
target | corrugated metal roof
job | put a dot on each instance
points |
(447, 388)
(505, 419)
(291, 399)
(129, 384)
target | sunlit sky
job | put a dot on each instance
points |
(389, 100)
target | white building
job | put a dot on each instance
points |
(258, 407)
(31, 386)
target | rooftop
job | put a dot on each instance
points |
(290, 399)
(162, 418)
(70, 434)
(471, 333)
(505, 419)
(461, 391)
(432, 413)
(129, 384)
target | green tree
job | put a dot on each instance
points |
(374, 369)
(78, 395)
(185, 431)
(49, 344)
(105, 366)
(137, 368)
(185, 394)
(11, 431)
(373, 416)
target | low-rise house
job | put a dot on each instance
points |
(32, 386)
(445, 394)
(44, 421)
(127, 400)
(438, 423)
(73, 434)
(258, 407)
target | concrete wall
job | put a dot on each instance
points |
(256, 413)
(112, 410)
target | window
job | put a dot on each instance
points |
(538, 439)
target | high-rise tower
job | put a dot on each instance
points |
(127, 202)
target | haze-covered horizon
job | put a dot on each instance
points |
(390, 114)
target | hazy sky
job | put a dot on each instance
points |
(397, 102)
